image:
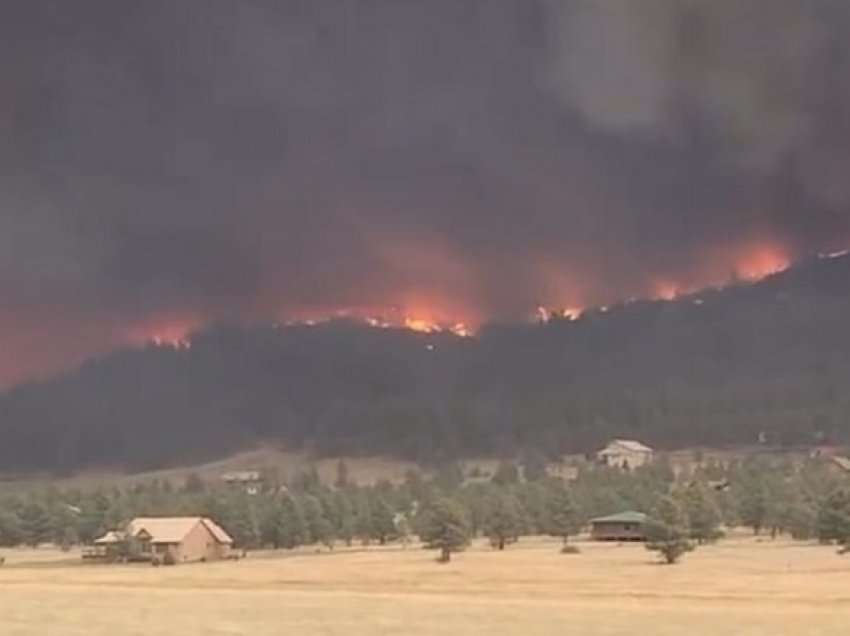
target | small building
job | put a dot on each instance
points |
(840, 464)
(624, 526)
(625, 453)
(164, 539)
(251, 481)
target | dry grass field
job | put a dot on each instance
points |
(740, 587)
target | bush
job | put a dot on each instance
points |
(570, 549)
(168, 559)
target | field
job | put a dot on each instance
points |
(738, 587)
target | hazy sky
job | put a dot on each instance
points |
(167, 163)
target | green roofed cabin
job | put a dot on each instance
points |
(624, 526)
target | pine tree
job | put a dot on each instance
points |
(503, 523)
(345, 521)
(833, 524)
(667, 530)
(563, 516)
(702, 512)
(290, 527)
(382, 521)
(443, 526)
(342, 477)
(318, 526)
(11, 530)
(506, 474)
(753, 503)
(35, 523)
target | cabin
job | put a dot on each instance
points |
(624, 526)
(165, 540)
(251, 481)
(625, 453)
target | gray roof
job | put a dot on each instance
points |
(629, 444)
(629, 516)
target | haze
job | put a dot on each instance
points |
(165, 165)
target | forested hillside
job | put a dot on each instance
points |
(713, 368)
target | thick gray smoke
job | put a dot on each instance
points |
(203, 160)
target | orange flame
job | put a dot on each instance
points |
(762, 261)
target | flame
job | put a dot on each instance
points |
(666, 290)
(762, 261)
(422, 325)
(168, 332)
(567, 313)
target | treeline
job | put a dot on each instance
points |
(771, 497)
(718, 368)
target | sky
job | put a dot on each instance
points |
(165, 165)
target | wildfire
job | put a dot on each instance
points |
(567, 313)
(173, 333)
(666, 291)
(762, 261)
(421, 325)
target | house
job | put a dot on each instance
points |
(840, 464)
(164, 539)
(624, 453)
(251, 481)
(624, 526)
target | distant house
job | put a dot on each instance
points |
(159, 539)
(625, 453)
(251, 481)
(840, 464)
(624, 526)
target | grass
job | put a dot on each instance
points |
(740, 587)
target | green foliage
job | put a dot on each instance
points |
(702, 512)
(562, 514)
(833, 523)
(11, 528)
(506, 474)
(534, 465)
(342, 480)
(504, 521)
(36, 524)
(443, 526)
(319, 528)
(667, 530)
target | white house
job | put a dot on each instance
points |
(625, 453)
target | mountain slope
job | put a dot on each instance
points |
(715, 367)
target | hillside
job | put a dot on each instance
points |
(712, 368)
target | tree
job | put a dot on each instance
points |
(11, 531)
(752, 503)
(342, 478)
(290, 524)
(35, 523)
(667, 530)
(702, 512)
(194, 483)
(534, 466)
(563, 516)
(443, 526)
(345, 520)
(283, 524)
(318, 526)
(503, 523)
(506, 474)
(382, 521)
(833, 524)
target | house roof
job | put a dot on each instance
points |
(841, 462)
(627, 444)
(217, 531)
(174, 529)
(630, 516)
(109, 538)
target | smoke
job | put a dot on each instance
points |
(164, 165)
